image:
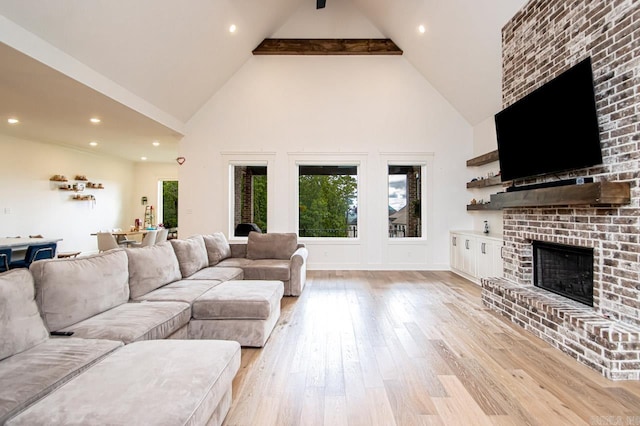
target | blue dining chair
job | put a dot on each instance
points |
(35, 252)
(5, 259)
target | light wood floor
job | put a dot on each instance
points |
(414, 348)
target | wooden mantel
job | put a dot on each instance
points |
(325, 46)
(594, 194)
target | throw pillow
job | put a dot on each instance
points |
(72, 290)
(21, 327)
(218, 247)
(151, 268)
(271, 246)
(191, 254)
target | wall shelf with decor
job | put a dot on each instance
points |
(483, 182)
(81, 183)
(483, 159)
(481, 206)
(79, 197)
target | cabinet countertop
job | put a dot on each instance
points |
(492, 236)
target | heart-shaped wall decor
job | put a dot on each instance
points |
(181, 160)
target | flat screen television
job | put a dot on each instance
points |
(552, 129)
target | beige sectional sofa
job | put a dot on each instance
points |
(120, 306)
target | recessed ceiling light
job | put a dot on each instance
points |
(155, 143)
(93, 143)
(421, 29)
(94, 120)
(143, 158)
(13, 121)
(233, 28)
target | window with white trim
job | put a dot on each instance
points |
(405, 201)
(328, 201)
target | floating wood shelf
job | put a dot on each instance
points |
(324, 46)
(487, 158)
(484, 206)
(483, 183)
(593, 194)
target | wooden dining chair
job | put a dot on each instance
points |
(5, 259)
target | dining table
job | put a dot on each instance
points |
(19, 245)
(122, 235)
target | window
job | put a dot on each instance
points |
(405, 201)
(328, 201)
(249, 197)
(168, 203)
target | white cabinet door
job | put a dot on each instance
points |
(455, 253)
(489, 258)
(497, 265)
(469, 255)
(485, 258)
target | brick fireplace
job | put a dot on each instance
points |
(542, 40)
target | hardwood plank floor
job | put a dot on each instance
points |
(414, 348)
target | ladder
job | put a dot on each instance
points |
(148, 217)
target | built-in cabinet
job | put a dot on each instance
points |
(475, 255)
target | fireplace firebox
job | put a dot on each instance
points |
(564, 270)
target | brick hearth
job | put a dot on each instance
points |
(608, 346)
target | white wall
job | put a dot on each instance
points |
(31, 204)
(366, 110)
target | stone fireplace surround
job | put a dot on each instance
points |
(542, 40)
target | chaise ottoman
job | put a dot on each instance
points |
(154, 382)
(242, 310)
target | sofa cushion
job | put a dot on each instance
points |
(180, 291)
(36, 372)
(20, 324)
(268, 269)
(72, 290)
(191, 254)
(218, 273)
(131, 322)
(271, 246)
(235, 262)
(246, 299)
(152, 267)
(217, 247)
(162, 382)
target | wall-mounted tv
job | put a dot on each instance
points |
(552, 129)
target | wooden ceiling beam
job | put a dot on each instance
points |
(325, 46)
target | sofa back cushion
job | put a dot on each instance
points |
(152, 267)
(71, 290)
(191, 254)
(271, 246)
(21, 327)
(218, 247)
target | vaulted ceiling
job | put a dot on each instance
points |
(161, 60)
